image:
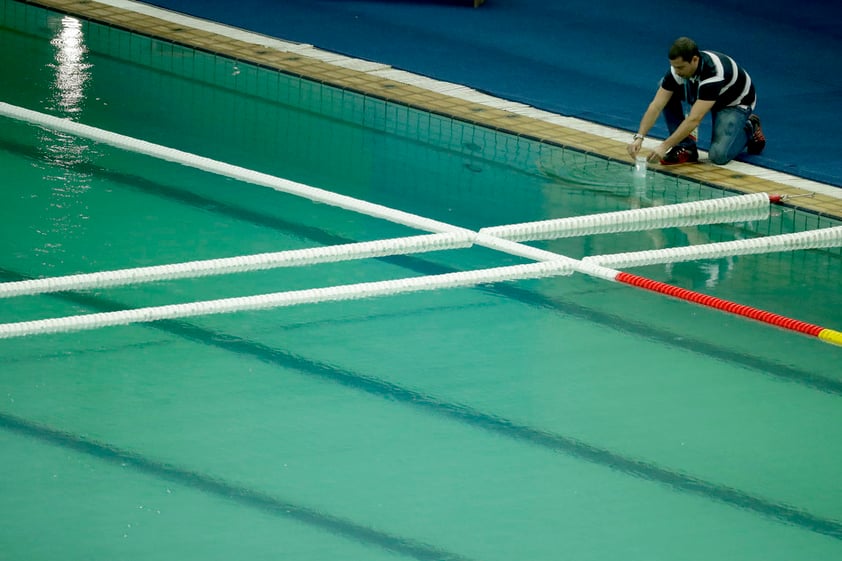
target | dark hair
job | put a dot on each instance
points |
(684, 48)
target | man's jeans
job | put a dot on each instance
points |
(731, 130)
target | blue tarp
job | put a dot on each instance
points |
(598, 61)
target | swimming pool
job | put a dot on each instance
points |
(536, 419)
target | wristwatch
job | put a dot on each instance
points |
(636, 136)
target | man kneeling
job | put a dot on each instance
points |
(710, 82)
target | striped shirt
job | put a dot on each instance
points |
(718, 78)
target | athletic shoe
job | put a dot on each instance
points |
(680, 155)
(757, 142)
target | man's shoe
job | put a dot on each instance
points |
(757, 141)
(680, 155)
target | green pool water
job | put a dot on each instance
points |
(561, 418)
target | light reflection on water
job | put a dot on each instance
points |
(71, 67)
(66, 210)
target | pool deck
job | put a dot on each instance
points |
(460, 102)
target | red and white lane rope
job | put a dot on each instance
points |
(823, 333)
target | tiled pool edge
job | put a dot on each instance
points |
(453, 100)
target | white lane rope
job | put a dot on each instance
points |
(739, 208)
(240, 264)
(254, 177)
(289, 298)
(815, 239)
(227, 170)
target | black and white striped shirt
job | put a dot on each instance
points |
(718, 78)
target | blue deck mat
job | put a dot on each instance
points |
(598, 61)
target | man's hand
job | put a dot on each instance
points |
(634, 146)
(658, 153)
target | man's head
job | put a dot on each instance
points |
(684, 57)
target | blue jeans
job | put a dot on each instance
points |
(731, 130)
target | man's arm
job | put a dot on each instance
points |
(688, 125)
(662, 97)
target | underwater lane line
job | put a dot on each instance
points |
(219, 487)
(489, 422)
